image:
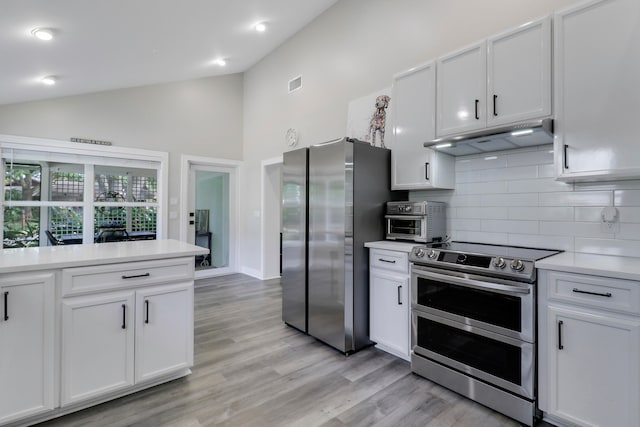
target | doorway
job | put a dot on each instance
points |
(271, 208)
(209, 212)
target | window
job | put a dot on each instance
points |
(67, 197)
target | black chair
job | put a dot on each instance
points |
(53, 239)
(112, 235)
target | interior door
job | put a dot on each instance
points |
(209, 216)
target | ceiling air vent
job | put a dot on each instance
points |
(295, 84)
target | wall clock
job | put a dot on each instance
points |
(291, 137)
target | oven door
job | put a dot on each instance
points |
(407, 227)
(505, 362)
(502, 306)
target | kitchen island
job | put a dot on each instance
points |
(82, 324)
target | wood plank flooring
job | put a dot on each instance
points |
(253, 370)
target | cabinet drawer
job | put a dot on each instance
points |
(389, 260)
(594, 291)
(84, 280)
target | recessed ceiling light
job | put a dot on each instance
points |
(42, 33)
(261, 27)
(221, 62)
(49, 80)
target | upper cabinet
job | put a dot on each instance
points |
(414, 167)
(597, 95)
(502, 80)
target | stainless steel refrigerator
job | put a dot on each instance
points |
(333, 198)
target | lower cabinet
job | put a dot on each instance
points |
(111, 341)
(389, 313)
(26, 345)
(589, 357)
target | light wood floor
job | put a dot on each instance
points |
(252, 370)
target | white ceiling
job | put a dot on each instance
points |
(109, 44)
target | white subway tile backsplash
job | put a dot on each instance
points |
(539, 185)
(583, 198)
(608, 246)
(514, 199)
(581, 229)
(627, 197)
(549, 213)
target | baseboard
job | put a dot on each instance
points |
(252, 272)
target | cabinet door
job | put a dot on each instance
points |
(26, 345)
(97, 345)
(593, 370)
(164, 330)
(519, 74)
(462, 90)
(389, 312)
(597, 95)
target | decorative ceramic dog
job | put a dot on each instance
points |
(377, 123)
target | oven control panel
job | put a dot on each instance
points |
(480, 264)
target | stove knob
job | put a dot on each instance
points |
(407, 208)
(432, 254)
(419, 252)
(517, 265)
(499, 263)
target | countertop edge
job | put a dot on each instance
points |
(391, 245)
(613, 266)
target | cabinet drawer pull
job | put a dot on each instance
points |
(6, 306)
(386, 260)
(136, 276)
(146, 307)
(566, 162)
(399, 296)
(495, 111)
(579, 291)
(560, 346)
(124, 316)
(477, 102)
(426, 171)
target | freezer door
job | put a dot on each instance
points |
(294, 238)
(330, 241)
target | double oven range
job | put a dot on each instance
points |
(474, 322)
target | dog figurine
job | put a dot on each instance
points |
(377, 123)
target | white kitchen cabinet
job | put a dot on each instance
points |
(97, 345)
(596, 95)
(414, 167)
(589, 369)
(462, 90)
(164, 330)
(26, 345)
(502, 80)
(389, 301)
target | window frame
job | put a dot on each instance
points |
(41, 150)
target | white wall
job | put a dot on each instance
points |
(198, 117)
(350, 51)
(514, 199)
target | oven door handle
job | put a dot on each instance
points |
(477, 284)
(405, 217)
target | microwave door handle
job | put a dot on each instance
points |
(477, 284)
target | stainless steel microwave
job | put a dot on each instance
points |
(422, 222)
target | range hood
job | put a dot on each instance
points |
(519, 135)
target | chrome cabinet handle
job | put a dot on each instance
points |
(6, 306)
(579, 291)
(477, 102)
(495, 111)
(146, 306)
(566, 162)
(399, 296)
(386, 260)
(136, 276)
(560, 323)
(426, 171)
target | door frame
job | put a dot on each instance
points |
(265, 206)
(186, 161)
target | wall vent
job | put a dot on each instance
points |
(295, 84)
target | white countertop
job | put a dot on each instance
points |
(392, 245)
(29, 259)
(600, 265)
